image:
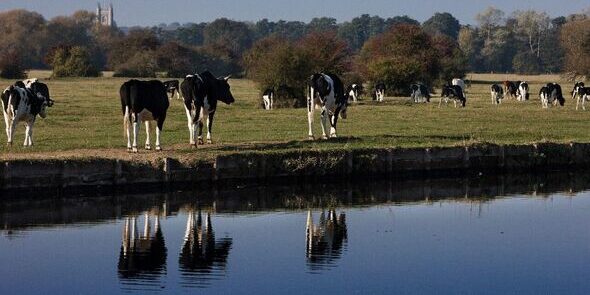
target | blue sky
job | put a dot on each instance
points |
(152, 12)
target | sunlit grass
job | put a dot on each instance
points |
(87, 116)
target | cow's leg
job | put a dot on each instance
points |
(310, 109)
(210, 127)
(200, 131)
(127, 127)
(324, 122)
(13, 124)
(333, 122)
(158, 132)
(27, 130)
(440, 102)
(136, 125)
(584, 102)
(192, 126)
(8, 123)
(147, 135)
(455, 102)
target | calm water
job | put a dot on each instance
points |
(498, 235)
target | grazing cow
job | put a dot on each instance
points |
(420, 93)
(453, 92)
(143, 101)
(510, 88)
(551, 94)
(268, 98)
(22, 104)
(379, 93)
(581, 93)
(326, 92)
(355, 91)
(201, 93)
(460, 83)
(497, 94)
(522, 93)
(172, 87)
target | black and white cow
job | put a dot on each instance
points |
(522, 93)
(23, 104)
(551, 94)
(201, 93)
(268, 98)
(460, 83)
(581, 94)
(379, 93)
(326, 92)
(172, 87)
(420, 93)
(453, 92)
(497, 94)
(143, 101)
(355, 91)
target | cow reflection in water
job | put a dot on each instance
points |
(143, 256)
(325, 240)
(202, 259)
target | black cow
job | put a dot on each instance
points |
(551, 93)
(201, 93)
(172, 87)
(268, 98)
(326, 91)
(454, 92)
(420, 93)
(143, 101)
(379, 93)
(23, 104)
(497, 94)
(511, 89)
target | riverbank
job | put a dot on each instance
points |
(133, 174)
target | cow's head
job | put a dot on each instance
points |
(44, 105)
(321, 85)
(224, 91)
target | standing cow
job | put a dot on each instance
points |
(510, 89)
(23, 104)
(497, 94)
(420, 93)
(143, 101)
(379, 93)
(522, 93)
(268, 98)
(581, 94)
(354, 91)
(453, 92)
(201, 93)
(551, 94)
(326, 92)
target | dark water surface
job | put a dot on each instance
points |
(520, 234)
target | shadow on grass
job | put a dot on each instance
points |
(379, 141)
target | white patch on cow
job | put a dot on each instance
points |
(380, 94)
(544, 100)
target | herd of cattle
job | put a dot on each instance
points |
(148, 101)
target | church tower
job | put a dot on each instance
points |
(104, 15)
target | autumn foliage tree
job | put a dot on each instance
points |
(575, 40)
(284, 65)
(399, 57)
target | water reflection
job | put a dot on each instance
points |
(325, 241)
(142, 259)
(202, 258)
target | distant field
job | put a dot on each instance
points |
(87, 121)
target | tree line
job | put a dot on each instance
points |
(368, 48)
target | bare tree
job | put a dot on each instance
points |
(489, 19)
(533, 25)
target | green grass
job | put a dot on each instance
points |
(86, 121)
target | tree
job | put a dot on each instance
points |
(533, 26)
(442, 23)
(176, 60)
(73, 62)
(11, 66)
(360, 29)
(575, 40)
(326, 53)
(489, 19)
(136, 42)
(25, 33)
(527, 63)
(322, 24)
(277, 63)
(453, 63)
(399, 57)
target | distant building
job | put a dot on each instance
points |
(104, 15)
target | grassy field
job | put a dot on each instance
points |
(86, 121)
